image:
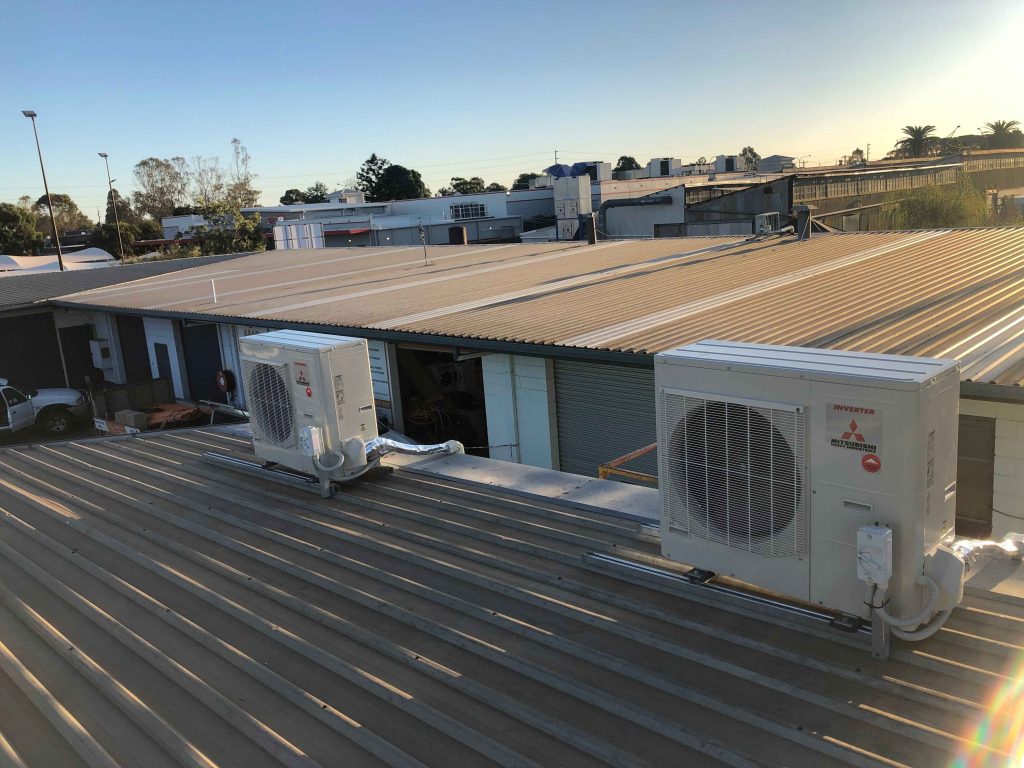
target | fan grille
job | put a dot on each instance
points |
(733, 473)
(270, 403)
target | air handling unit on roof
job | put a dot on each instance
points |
(311, 407)
(801, 471)
(310, 401)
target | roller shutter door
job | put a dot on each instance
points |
(603, 411)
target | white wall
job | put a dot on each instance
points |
(639, 220)
(104, 327)
(519, 394)
(164, 331)
(1008, 485)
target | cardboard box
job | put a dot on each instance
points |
(135, 419)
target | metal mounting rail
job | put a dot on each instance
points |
(759, 601)
(265, 470)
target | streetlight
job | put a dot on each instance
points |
(49, 203)
(113, 202)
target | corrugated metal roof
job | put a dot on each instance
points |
(942, 293)
(159, 611)
(18, 291)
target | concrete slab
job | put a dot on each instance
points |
(632, 501)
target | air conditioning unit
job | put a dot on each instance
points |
(765, 222)
(773, 459)
(310, 400)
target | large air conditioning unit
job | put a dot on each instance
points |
(774, 460)
(310, 401)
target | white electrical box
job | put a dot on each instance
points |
(874, 555)
(310, 396)
(311, 441)
(771, 460)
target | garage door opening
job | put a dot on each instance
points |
(442, 398)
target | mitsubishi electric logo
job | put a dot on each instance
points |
(852, 435)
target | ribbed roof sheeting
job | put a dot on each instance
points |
(932, 292)
(18, 291)
(159, 611)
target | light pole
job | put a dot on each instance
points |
(49, 203)
(113, 202)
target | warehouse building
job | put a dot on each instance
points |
(45, 347)
(543, 353)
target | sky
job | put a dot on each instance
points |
(484, 88)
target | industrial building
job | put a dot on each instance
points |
(542, 353)
(44, 347)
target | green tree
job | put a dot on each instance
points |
(917, 141)
(18, 233)
(149, 229)
(228, 231)
(523, 180)
(856, 157)
(105, 237)
(368, 177)
(160, 186)
(939, 207)
(496, 187)
(750, 158)
(398, 183)
(315, 193)
(1004, 134)
(462, 186)
(627, 163)
(124, 208)
(65, 211)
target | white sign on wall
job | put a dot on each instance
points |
(381, 381)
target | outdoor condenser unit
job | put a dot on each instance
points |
(774, 460)
(310, 400)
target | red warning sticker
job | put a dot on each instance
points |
(871, 463)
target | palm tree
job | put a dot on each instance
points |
(1003, 134)
(917, 140)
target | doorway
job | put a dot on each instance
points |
(74, 342)
(201, 348)
(442, 398)
(975, 475)
(131, 332)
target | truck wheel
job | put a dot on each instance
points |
(56, 421)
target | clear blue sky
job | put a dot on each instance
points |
(482, 88)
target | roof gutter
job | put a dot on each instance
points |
(601, 213)
(973, 390)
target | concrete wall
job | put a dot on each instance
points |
(643, 220)
(519, 395)
(1008, 485)
(618, 190)
(770, 197)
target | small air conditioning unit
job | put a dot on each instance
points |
(772, 459)
(310, 400)
(765, 222)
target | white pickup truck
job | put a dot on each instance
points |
(53, 409)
